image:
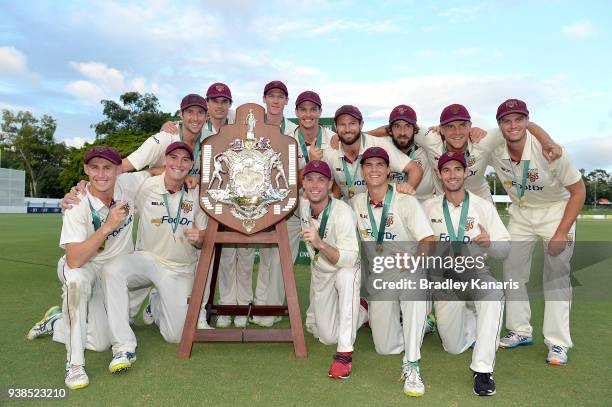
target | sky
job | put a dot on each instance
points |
(62, 58)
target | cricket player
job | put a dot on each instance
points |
(345, 161)
(474, 318)
(329, 230)
(166, 256)
(546, 199)
(383, 215)
(455, 132)
(270, 289)
(94, 231)
(402, 128)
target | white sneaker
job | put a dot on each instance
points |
(240, 321)
(223, 321)
(147, 315)
(413, 384)
(557, 355)
(266, 322)
(122, 361)
(76, 377)
(45, 325)
(202, 323)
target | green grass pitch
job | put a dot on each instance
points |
(268, 373)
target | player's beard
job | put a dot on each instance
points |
(349, 138)
(402, 145)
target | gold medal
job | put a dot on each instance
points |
(351, 192)
(521, 201)
(316, 257)
(379, 248)
(102, 246)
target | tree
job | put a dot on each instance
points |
(598, 185)
(135, 113)
(34, 150)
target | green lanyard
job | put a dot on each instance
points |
(520, 188)
(178, 212)
(411, 153)
(303, 143)
(323, 224)
(95, 216)
(462, 219)
(283, 126)
(210, 127)
(350, 180)
(196, 152)
(380, 232)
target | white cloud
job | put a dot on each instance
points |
(86, 91)
(12, 61)
(77, 142)
(466, 52)
(428, 53)
(109, 78)
(580, 29)
(276, 27)
(461, 14)
(594, 154)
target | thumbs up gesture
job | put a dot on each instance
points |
(311, 235)
(483, 239)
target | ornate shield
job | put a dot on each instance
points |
(249, 173)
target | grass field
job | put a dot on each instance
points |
(268, 374)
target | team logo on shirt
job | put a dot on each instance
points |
(471, 161)
(469, 224)
(436, 220)
(363, 216)
(187, 207)
(504, 169)
(156, 139)
(154, 203)
(364, 233)
(532, 174)
(156, 221)
(507, 184)
(389, 220)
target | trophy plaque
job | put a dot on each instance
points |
(248, 188)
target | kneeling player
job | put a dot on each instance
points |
(93, 232)
(165, 256)
(329, 230)
(383, 215)
(474, 319)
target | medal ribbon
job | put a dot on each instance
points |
(303, 142)
(95, 216)
(178, 212)
(283, 126)
(449, 222)
(380, 233)
(323, 224)
(520, 188)
(196, 151)
(350, 180)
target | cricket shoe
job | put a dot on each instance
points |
(411, 375)
(147, 315)
(513, 340)
(45, 325)
(266, 322)
(484, 385)
(557, 355)
(430, 324)
(341, 366)
(202, 322)
(223, 321)
(76, 377)
(122, 361)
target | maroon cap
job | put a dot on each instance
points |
(193, 100)
(452, 156)
(350, 110)
(403, 112)
(454, 112)
(512, 106)
(276, 85)
(375, 152)
(108, 153)
(308, 96)
(219, 90)
(317, 166)
(177, 145)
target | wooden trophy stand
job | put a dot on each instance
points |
(226, 161)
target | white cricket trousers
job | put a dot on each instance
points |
(138, 270)
(461, 323)
(335, 306)
(83, 324)
(270, 289)
(236, 275)
(526, 225)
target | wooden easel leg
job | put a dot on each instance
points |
(213, 282)
(295, 318)
(197, 292)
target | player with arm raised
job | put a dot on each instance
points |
(546, 199)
